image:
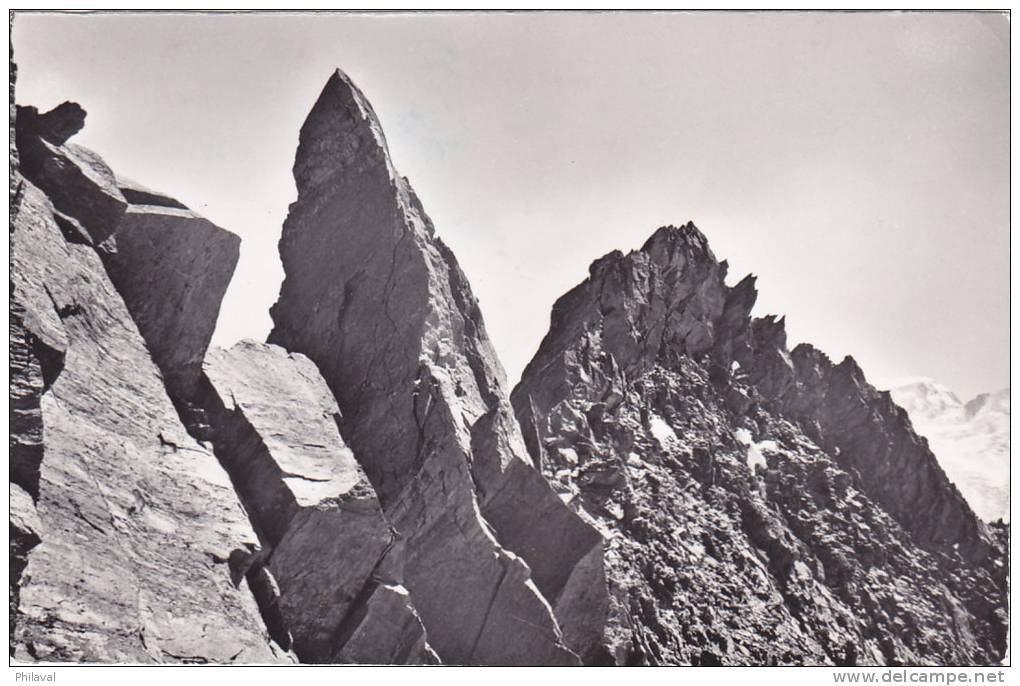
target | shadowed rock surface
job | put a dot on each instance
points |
(274, 424)
(56, 126)
(172, 268)
(386, 631)
(76, 181)
(170, 265)
(137, 194)
(764, 506)
(376, 300)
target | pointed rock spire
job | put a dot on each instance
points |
(383, 309)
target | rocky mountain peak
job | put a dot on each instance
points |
(667, 300)
(499, 569)
(341, 133)
(662, 406)
(673, 246)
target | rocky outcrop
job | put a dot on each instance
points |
(668, 484)
(131, 526)
(170, 265)
(295, 532)
(873, 437)
(79, 184)
(324, 538)
(55, 126)
(765, 506)
(126, 535)
(375, 299)
(172, 268)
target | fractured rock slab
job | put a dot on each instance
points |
(76, 180)
(274, 424)
(136, 523)
(172, 268)
(387, 631)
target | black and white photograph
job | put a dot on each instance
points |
(509, 338)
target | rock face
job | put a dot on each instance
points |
(128, 542)
(170, 265)
(376, 300)
(766, 506)
(125, 529)
(668, 484)
(324, 537)
(172, 268)
(79, 184)
(873, 437)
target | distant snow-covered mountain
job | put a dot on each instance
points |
(971, 440)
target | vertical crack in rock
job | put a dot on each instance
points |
(120, 522)
(767, 507)
(273, 423)
(376, 300)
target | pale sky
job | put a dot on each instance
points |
(857, 163)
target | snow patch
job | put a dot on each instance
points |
(661, 430)
(755, 457)
(971, 440)
(568, 455)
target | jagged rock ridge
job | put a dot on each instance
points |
(379, 303)
(365, 494)
(766, 506)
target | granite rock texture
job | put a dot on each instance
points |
(763, 506)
